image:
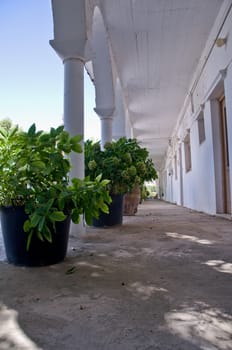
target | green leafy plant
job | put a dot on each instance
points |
(34, 174)
(144, 192)
(124, 162)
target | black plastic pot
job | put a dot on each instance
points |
(115, 215)
(40, 252)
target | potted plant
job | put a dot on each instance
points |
(145, 171)
(125, 164)
(37, 200)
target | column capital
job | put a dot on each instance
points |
(69, 49)
(105, 113)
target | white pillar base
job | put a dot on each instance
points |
(77, 229)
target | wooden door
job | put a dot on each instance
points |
(225, 158)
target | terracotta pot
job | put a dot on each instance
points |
(131, 201)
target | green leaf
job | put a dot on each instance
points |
(3, 133)
(27, 226)
(76, 182)
(104, 208)
(13, 131)
(77, 148)
(49, 204)
(29, 240)
(38, 165)
(52, 132)
(66, 147)
(31, 130)
(76, 139)
(47, 234)
(57, 216)
(70, 270)
(61, 202)
(44, 138)
(39, 235)
(98, 178)
(64, 136)
(76, 216)
(41, 224)
(59, 129)
(105, 182)
(89, 218)
(34, 219)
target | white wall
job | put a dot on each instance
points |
(199, 184)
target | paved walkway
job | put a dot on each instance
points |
(161, 281)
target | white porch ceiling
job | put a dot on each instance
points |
(157, 45)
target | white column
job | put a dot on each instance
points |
(70, 43)
(106, 117)
(106, 130)
(74, 118)
(103, 78)
(119, 123)
(74, 108)
(74, 111)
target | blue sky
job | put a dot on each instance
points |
(31, 74)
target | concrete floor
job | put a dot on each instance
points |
(161, 281)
